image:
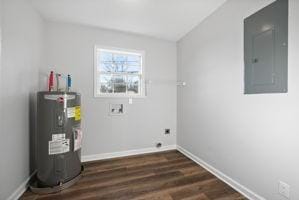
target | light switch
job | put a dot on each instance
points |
(130, 101)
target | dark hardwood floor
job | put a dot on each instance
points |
(159, 176)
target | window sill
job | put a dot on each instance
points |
(120, 96)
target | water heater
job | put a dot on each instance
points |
(59, 138)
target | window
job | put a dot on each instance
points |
(118, 72)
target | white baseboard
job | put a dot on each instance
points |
(21, 189)
(231, 182)
(103, 156)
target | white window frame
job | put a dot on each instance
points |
(98, 73)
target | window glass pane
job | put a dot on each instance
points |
(106, 62)
(119, 79)
(120, 85)
(133, 84)
(120, 62)
(134, 64)
(104, 78)
(120, 88)
(106, 84)
(106, 88)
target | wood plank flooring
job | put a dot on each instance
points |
(159, 176)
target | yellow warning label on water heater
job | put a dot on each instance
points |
(77, 113)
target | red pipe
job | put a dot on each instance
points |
(51, 81)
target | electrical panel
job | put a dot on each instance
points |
(266, 50)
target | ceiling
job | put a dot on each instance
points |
(165, 19)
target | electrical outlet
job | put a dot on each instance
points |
(167, 131)
(284, 189)
(159, 145)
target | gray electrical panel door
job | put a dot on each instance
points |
(266, 49)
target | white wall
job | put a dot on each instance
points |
(69, 49)
(251, 138)
(22, 31)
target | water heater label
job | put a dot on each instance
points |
(77, 138)
(60, 136)
(77, 113)
(74, 112)
(59, 146)
(71, 112)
